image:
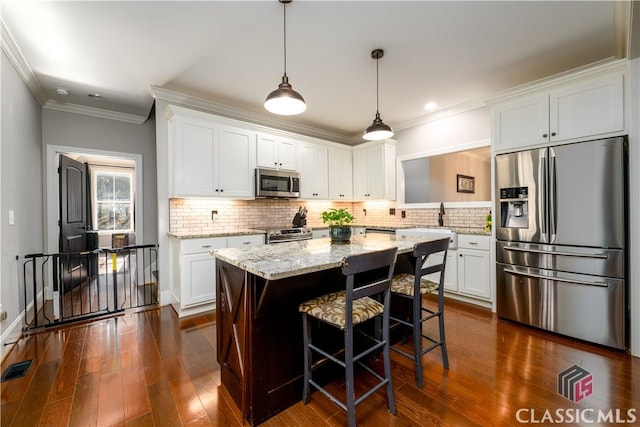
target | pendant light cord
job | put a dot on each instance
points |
(284, 11)
(377, 88)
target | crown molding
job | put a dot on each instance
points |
(94, 112)
(13, 52)
(246, 115)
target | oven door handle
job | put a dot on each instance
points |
(555, 279)
(540, 251)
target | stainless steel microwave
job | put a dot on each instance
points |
(277, 183)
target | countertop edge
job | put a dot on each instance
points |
(222, 233)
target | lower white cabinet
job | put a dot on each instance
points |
(450, 270)
(197, 269)
(474, 265)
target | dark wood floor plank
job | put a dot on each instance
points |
(56, 414)
(35, 399)
(163, 406)
(85, 401)
(150, 368)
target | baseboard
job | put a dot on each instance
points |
(11, 335)
(190, 311)
(14, 332)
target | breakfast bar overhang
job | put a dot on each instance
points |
(259, 328)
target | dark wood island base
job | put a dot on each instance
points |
(259, 336)
(259, 328)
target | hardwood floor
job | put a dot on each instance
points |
(152, 369)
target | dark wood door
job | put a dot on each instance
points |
(73, 221)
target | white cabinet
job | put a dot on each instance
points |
(194, 144)
(587, 108)
(374, 171)
(236, 163)
(450, 270)
(197, 270)
(474, 265)
(340, 174)
(276, 152)
(314, 171)
(210, 159)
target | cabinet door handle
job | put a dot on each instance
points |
(544, 135)
(553, 134)
(206, 246)
(460, 255)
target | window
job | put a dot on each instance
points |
(113, 200)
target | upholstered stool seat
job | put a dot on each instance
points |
(330, 308)
(413, 287)
(366, 298)
(404, 283)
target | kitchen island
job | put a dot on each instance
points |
(259, 328)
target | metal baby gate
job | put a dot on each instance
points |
(66, 287)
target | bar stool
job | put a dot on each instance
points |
(414, 286)
(367, 296)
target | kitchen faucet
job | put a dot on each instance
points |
(441, 214)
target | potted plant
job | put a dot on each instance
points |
(339, 228)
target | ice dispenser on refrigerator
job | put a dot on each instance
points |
(514, 207)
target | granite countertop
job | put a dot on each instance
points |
(283, 260)
(459, 230)
(221, 233)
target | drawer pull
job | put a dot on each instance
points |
(473, 243)
(246, 243)
(206, 246)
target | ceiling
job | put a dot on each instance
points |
(231, 52)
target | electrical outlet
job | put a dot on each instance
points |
(364, 211)
(214, 215)
(392, 211)
(3, 315)
(403, 214)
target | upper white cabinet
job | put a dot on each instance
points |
(276, 152)
(236, 162)
(591, 107)
(211, 159)
(314, 171)
(374, 171)
(340, 174)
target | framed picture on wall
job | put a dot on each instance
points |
(466, 184)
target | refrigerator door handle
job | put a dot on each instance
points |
(555, 279)
(552, 195)
(540, 251)
(542, 198)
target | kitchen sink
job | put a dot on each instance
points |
(435, 233)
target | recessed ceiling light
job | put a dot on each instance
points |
(430, 106)
(96, 96)
(62, 91)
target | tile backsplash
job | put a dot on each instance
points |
(195, 215)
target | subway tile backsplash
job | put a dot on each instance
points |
(195, 215)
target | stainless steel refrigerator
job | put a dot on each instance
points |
(560, 230)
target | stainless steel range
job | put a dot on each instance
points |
(281, 235)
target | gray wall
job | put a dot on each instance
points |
(21, 182)
(75, 130)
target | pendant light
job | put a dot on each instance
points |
(378, 130)
(284, 100)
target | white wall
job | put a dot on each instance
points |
(76, 130)
(21, 182)
(449, 132)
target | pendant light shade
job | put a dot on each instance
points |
(378, 130)
(284, 100)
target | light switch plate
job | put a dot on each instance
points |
(12, 218)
